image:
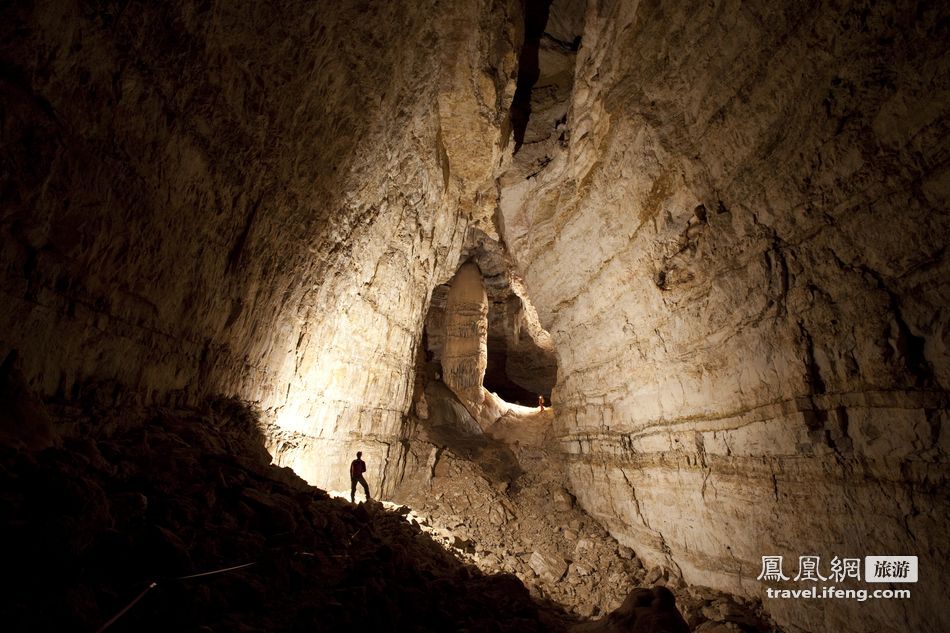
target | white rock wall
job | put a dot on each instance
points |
(465, 351)
(740, 253)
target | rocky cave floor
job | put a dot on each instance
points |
(126, 498)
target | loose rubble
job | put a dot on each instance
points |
(124, 499)
(503, 507)
(144, 497)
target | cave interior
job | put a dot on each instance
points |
(242, 242)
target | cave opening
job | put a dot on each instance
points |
(483, 333)
(519, 368)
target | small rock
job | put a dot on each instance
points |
(129, 505)
(548, 567)
(655, 575)
(563, 500)
(718, 627)
(649, 610)
(634, 565)
(583, 545)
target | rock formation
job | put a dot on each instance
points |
(520, 354)
(465, 350)
(715, 233)
(252, 201)
(738, 245)
(159, 496)
(499, 501)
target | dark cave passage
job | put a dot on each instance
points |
(498, 381)
(535, 19)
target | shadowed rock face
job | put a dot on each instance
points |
(731, 218)
(169, 494)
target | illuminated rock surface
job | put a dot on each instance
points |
(499, 501)
(247, 200)
(721, 246)
(739, 250)
(465, 347)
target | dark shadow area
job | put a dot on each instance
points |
(535, 19)
(124, 498)
(498, 381)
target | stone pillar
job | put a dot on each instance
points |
(465, 351)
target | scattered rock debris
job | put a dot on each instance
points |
(503, 506)
(123, 500)
(145, 498)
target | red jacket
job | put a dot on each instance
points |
(357, 468)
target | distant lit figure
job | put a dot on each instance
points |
(541, 402)
(357, 468)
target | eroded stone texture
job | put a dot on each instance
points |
(465, 350)
(740, 252)
(531, 361)
(485, 305)
(730, 216)
(498, 499)
(247, 199)
(521, 362)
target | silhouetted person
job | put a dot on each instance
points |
(541, 402)
(357, 468)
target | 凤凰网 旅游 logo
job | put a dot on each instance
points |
(814, 579)
(876, 569)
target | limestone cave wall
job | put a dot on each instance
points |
(738, 245)
(248, 199)
(731, 220)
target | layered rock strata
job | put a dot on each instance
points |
(731, 218)
(740, 252)
(247, 199)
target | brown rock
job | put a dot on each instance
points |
(551, 568)
(24, 421)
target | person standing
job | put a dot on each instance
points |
(541, 402)
(357, 468)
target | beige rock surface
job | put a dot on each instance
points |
(460, 339)
(497, 499)
(520, 362)
(246, 199)
(465, 350)
(489, 499)
(730, 217)
(740, 253)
